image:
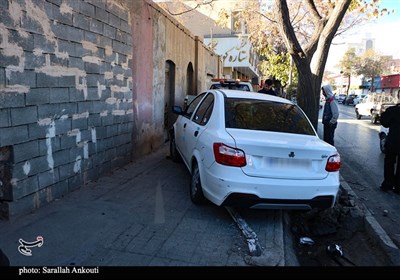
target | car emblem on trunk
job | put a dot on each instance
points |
(291, 154)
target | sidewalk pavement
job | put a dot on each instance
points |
(374, 229)
(141, 215)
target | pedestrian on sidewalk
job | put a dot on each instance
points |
(330, 114)
(391, 171)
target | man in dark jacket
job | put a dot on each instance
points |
(4, 261)
(267, 89)
(391, 119)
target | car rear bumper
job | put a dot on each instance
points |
(255, 202)
(225, 185)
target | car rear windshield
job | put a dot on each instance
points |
(266, 115)
(231, 86)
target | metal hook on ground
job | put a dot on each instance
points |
(335, 251)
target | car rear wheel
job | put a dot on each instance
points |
(175, 156)
(358, 116)
(374, 119)
(196, 191)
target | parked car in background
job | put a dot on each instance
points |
(231, 84)
(253, 150)
(349, 100)
(235, 84)
(373, 105)
(340, 98)
(358, 99)
(366, 106)
(386, 101)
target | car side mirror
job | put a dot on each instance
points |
(177, 110)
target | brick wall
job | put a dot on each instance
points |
(66, 112)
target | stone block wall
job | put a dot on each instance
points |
(66, 113)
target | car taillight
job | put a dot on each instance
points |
(333, 163)
(229, 156)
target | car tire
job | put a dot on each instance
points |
(174, 154)
(196, 190)
(382, 141)
(358, 116)
(374, 119)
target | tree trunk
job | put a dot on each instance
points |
(348, 84)
(308, 91)
(372, 89)
(311, 59)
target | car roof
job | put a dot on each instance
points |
(251, 95)
(230, 82)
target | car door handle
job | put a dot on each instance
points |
(196, 133)
(184, 125)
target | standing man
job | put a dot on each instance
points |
(268, 88)
(330, 114)
(391, 173)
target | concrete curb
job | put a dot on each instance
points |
(289, 241)
(375, 231)
(251, 237)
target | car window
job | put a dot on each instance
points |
(266, 115)
(231, 86)
(192, 105)
(216, 86)
(203, 113)
(243, 87)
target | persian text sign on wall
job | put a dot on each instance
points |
(234, 51)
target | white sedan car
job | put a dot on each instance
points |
(254, 150)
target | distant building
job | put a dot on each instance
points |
(231, 42)
(390, 83)
(359, 84)
(367, 43)
(393, 66)
(366, 85)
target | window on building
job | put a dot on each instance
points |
(369, 44)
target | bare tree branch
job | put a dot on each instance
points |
(319, 23)
(356, 21)
(313, 10)
(264, 16)
(189, 10)
(287, 30)
(297, 13)
(327, 35)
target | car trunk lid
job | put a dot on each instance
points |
(282, 155)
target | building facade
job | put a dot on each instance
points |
(230, 41)
(390, 84)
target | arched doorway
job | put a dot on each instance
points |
(169, 98)
(190, 80)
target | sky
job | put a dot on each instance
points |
(385, 30)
